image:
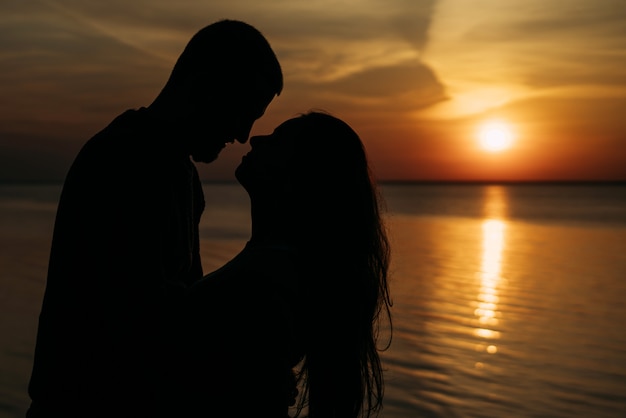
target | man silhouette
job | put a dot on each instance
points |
(126, 234)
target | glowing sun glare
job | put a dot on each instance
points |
(495, 136)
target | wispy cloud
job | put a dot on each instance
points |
(89, 55)
(491, 52)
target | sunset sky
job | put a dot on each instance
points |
(417, 79)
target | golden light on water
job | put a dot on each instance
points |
(493, 243)
(487, 310)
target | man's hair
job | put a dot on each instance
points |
(228, 50)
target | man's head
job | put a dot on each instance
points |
(222, 82)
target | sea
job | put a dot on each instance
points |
(509, 299)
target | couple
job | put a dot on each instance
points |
(131, 327)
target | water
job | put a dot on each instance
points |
(509, 300)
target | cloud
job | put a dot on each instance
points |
(384, 81)
(489, 52)
(316, 41)
(563, 43)
(59, 68)
(70, 66)
(589, 22)
(323, 39)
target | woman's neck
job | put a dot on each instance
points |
(269, 225)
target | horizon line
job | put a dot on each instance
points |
(14, 182)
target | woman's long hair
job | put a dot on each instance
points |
(344, 246)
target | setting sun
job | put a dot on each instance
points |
(495, 136)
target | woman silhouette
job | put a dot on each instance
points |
(307, 291)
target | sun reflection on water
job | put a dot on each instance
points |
(487, 310)
(493, 233)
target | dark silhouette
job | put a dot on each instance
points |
(126, 234)
(307, 289)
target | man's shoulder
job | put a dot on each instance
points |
(115, 149)
(129, 124)
(125, 138)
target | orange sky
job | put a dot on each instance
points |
(415, 78)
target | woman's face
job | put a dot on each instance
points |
(268, 167)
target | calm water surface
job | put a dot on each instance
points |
(509, 300)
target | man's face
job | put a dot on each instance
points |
(228, 118)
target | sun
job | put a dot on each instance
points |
(495, 136)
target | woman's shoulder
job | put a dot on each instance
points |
(257, 272)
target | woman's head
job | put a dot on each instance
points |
(311, 175)
(311, 167)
